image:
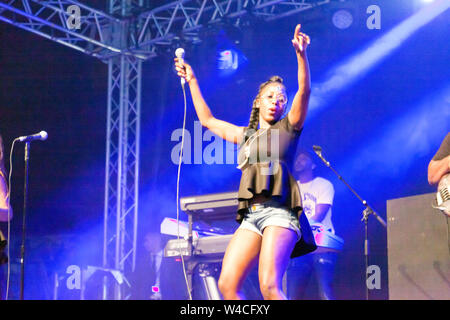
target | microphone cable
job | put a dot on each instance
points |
(178, 195)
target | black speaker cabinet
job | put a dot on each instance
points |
(418, 249)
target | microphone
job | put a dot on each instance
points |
(318, 151)
(179, 53)
(38, 136)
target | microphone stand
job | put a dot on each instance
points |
(366, 213)
(22, 249)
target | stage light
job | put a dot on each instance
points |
(228, 56)
(342, 19)
(228, 60)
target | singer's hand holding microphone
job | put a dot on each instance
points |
(184, 70)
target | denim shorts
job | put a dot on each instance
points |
(270, 213)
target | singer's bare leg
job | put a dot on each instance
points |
(276, 249)
(241, 255)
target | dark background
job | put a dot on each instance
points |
(379, 131)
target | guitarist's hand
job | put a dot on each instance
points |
(437, 169)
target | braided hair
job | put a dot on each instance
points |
(254, 114)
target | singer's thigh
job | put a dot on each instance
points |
(240, 256)
(276, 249)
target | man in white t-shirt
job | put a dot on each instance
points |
(317, 200)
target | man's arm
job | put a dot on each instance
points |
(437, 169)
(324, 200)
(440, 164)
(321, 211)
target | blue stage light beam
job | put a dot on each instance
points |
(400, 143)
(359, 64)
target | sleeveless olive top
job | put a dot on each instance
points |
(266, 159)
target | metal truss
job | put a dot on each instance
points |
(141, 33)
(122, 158)
(185, 18)
(54, 20)
(122, 168)
(125, 7)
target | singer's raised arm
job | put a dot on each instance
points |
(299, 108)
(223, 129)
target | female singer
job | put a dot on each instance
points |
(273, 227)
